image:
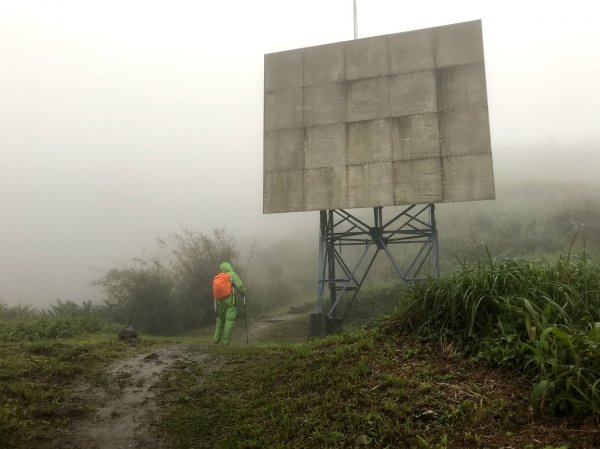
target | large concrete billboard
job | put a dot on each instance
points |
(389, 120)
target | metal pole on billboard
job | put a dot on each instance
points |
(355, 20)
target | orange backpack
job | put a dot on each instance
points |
(222, 286)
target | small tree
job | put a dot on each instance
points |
(195, 261)
(175, 296)
(140, 297)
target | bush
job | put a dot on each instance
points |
(172, 296)
(538, 228)
(539, 317)
(41, 326)
(141, 297)
(195, 261)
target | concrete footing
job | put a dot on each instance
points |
(320, 325)
(317, 325)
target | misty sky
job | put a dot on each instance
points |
(121, 121)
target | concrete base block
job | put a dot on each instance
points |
(317, 325)
(320, 325)
(334, 325)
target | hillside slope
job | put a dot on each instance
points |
(376, 388)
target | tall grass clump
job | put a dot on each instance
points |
(62, 320)
(538, 317)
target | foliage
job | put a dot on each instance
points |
(172, 296)
(62, 320)
(72, 309)
(173, 293)
(46, 327)
(539, 317)
(540, 227)
(367, 388)
(18, 311)
(141, 297)
(196, 259)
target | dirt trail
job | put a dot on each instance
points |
(127, 403)
(258, 326)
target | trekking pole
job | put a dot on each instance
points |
(246, 318)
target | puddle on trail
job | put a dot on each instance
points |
(127, 403)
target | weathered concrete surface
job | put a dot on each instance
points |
(325, 146)
(369, 141)
(389, 120)
(289, 186)
(371, 184)
(417, 181)
(454, 142)
(368, 99)
(413, 93)
(318, 72)
(415, 137)
(325, 187)
(284, 149)
(472, 173)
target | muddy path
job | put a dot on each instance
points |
(125, 404)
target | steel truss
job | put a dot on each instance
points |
(415, 225)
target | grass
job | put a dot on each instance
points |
(36, 379)
(374, 388)
(538, 317)
(34, 326)
(528, 331)
(480, 359)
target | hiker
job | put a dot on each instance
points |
(227, 285)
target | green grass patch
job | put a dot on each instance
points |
(369, 388)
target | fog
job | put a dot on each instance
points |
(124, 121)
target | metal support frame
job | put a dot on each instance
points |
(414, 225)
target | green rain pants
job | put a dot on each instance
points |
(226, 314)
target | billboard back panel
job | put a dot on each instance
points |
(388, 120)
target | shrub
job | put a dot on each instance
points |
(539, 317)
(167, 297)
(142, 297)
(43, 326)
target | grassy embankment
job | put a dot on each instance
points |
(484, 358)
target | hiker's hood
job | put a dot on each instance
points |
(226, 267)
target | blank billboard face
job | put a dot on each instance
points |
(388, 120)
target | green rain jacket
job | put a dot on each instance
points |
(226, 267)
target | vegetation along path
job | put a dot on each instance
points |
(504, 354)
